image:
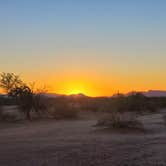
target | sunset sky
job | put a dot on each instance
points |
(96, 47)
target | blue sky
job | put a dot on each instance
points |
(68, 38)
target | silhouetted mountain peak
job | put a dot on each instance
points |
(155, 93)
(78, 95)
(151, 93)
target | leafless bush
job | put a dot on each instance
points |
(120, 120)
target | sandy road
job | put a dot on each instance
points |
(78, 143)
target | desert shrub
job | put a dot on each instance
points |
(118, 104)
(152, 107)
(62, 109)
(40, 104)
(122, 111)
(63, 112)
(22, 94)
(120, 120)
(137, 102)
(156, 103)
(18, 90)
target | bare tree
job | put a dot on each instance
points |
(9, 81)
(40, 103)
(28, 97)
(24, 96)
(14, 86)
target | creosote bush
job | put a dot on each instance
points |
(120, 120)
(122, 111)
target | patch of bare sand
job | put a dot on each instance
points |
(76, 143)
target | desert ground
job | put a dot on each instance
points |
(80, 143)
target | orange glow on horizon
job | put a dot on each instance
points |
(76, 87)
(97, 84)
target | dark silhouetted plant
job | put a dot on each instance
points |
(24, 95)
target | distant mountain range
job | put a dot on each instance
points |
(151, 93)
(53, 95)
(155, 93)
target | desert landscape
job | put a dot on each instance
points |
(79, 143)
(42, 129)
(82, 83)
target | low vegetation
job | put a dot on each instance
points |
(122, 111)
(120, 120)
(63, 109)
(21, 94)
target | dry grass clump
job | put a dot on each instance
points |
(120, 120)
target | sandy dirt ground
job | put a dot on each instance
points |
(79, 143)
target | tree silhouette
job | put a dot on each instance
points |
(26, 98)
(9, 81)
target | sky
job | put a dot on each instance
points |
(96, 47)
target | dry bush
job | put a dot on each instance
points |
(63, 111)
(120, 120)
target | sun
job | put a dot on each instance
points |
(75, 91)
(76, 88)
